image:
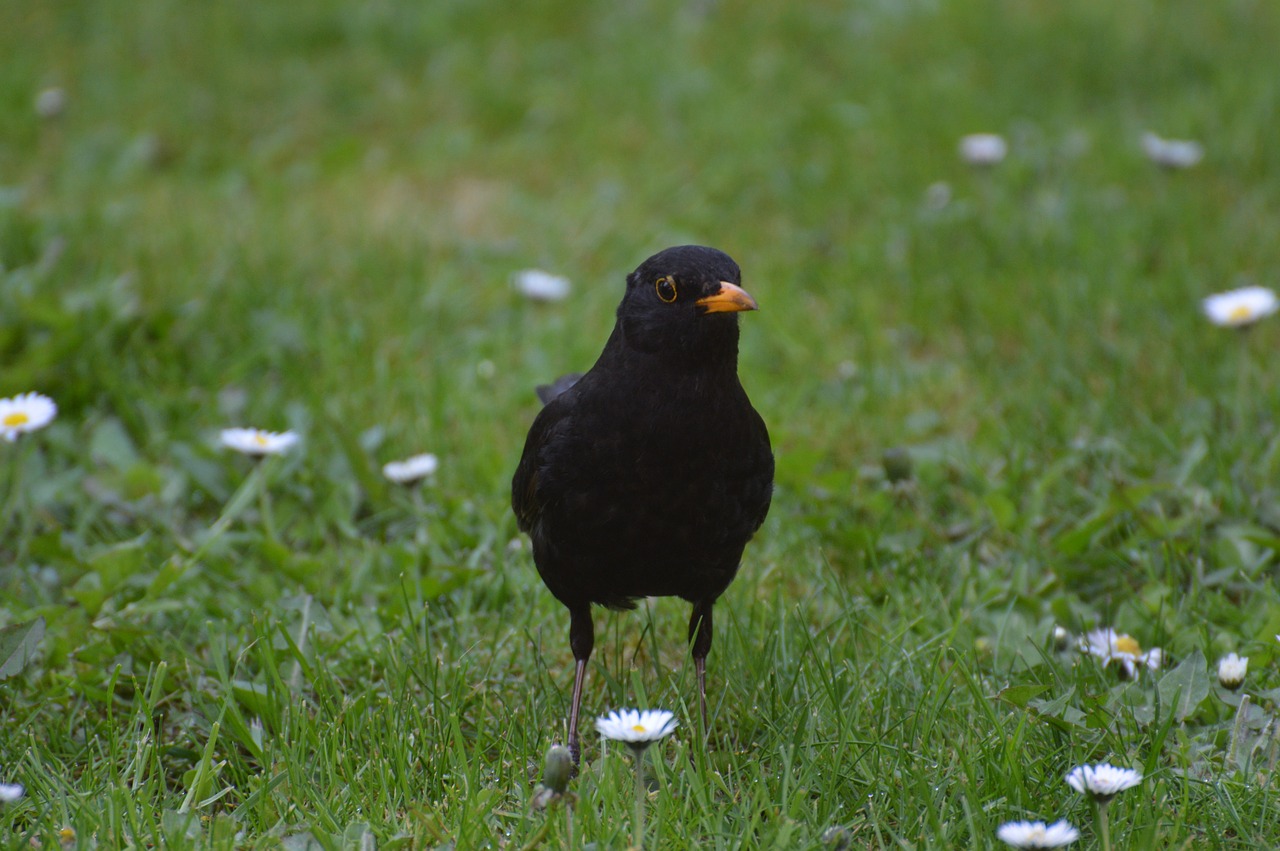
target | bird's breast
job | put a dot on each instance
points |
(665, 470)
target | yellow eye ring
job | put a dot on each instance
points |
(666, 289)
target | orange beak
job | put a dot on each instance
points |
(730, 298)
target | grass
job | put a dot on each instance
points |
(306, 216)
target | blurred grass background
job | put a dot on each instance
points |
(308, 215)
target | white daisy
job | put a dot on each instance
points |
(255, 441)
(639, 729)
(1124, 650)
(1231, 670)
(410, 470)
(538, 285)
(1037, 834)
(1103, 781)
(25, 412)
(10, 792)
(983, 148)
(1237, 308)
(1171, 153)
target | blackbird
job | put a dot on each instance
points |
(649, 474)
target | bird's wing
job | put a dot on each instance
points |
(547, 392)
(524, 484)
(765, 469)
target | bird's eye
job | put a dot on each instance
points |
(666, 288)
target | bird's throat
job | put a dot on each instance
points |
(708, 342)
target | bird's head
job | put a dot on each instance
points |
(683, 300)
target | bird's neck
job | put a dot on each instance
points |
(711, 347)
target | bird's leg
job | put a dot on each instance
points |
(700, 636)
(582, 638)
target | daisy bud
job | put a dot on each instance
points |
(558, 769)
(1231, 670)
(51, 102)
(897, 464)
(837, 838)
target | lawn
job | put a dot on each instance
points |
(996, 405)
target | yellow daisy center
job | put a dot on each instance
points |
(17, 418)
(1128, 644)
(260, 439)
(1240, 313)
(639, 728)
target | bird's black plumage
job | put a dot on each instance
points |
(648, 475)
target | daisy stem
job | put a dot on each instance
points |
(1265, 746)
(538, 837)
(1242, 382)
(1233, 747)
(419, 514)
(296, 679)
(1104, 832)
(11, 491)
(15, 506)
(641, 794)
(264, 508)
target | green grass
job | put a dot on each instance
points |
(306, 216)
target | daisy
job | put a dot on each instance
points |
(25, 412)
(1231, 670)
(638, 729)
(983, 148)
(1102, 781)
(1124, 650)
(410, 470)
(1037, 834)
(1171, 153)
(1238, 308)
(10, 792)
(538, 285)
(254, 441)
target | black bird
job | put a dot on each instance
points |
(648, 475)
